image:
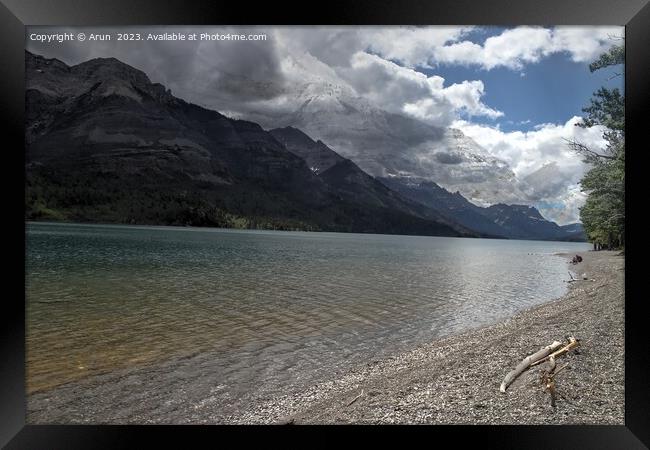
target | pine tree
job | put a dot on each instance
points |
(603, 214)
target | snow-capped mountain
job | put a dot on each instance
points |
(386, 144)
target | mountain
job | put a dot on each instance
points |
(573, 228)
(353, 184)
(386, 144)
(500, 220)
(105, 144)
(523, 222)
(423, 163)
(575, 232)
(452, 205)
(317, 155)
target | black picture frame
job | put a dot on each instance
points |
(16, 14)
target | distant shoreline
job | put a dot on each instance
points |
(456, 380)
(192, 227)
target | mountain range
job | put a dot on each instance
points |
(386, 144)
(105, 144)
(511, 221)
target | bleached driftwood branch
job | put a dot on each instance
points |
(573, 343)
(526, 362)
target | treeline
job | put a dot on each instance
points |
(603, 214)
(79, 193)
(53, 196)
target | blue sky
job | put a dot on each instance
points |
(550, 91)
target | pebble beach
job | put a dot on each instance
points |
(456, 380)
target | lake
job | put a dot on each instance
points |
(174, 324)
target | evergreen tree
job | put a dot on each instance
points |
(603, 214)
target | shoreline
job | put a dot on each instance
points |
(455, 380)
(240, 229)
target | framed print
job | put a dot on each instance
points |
(374, 214)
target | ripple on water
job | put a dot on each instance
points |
(255, 313)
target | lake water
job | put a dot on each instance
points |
(210, 319)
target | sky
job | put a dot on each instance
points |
(518, 92)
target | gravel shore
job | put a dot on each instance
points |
(456, 380)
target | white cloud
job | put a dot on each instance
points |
(527, 151)
(410, 46)
(549, 169)
(263, 76)
(513, 48)
(466, 96)
(565, 210)
(404, 90)
(585, 44)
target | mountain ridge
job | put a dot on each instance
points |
(106, 144)
(499, 220)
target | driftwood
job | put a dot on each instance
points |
(573, 343)
(573, 280)
(548, 380)
(526, 362)
(545, 354)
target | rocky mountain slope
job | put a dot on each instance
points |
(106, 144)
(523, 222)
(575, 232)
(353, 184)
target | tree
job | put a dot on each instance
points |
(603, 214)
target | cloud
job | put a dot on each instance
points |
(550, 171)
(265, 78)
(397, 88)
(565, 210)
(585, 44)
(513, 48)
(527, 151)
(404, 90)
(410, 46)
(466, 97)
